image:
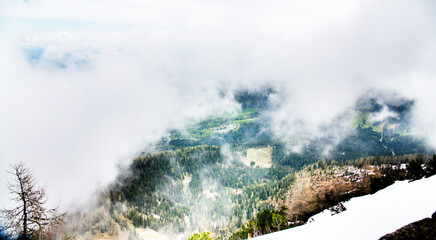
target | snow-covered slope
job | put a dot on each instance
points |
(371, 216)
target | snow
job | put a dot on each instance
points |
(370, 216)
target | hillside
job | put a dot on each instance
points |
(231, 176)
(210, 120)
(371, 216)
(424, 229)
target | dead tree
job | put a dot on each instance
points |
(30, 219)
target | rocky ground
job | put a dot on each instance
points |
(424, 229)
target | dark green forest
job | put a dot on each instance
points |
(196, 177)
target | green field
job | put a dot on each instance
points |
(209, 126)
(363, 120)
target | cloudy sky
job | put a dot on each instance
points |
(85, 85)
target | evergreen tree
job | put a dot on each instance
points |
(415, 170)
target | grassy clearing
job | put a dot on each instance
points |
(363, 120)
(260, 156)
(378, 128)
(245, 121)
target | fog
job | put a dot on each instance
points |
(113, 76)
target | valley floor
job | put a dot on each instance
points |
(370, 216)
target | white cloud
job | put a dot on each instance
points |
(320, 55)
(384, 114)
(74, 125)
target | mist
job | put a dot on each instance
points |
(111, 78)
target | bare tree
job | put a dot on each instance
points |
(30, 219)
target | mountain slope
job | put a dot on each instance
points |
(224, 172)
(371, 216)
(424, 229)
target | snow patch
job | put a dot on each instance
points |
(370, 216)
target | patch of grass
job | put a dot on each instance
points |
(378, 128)
(362, 121)
(259, 156)
(202, 129)
(201, 133)
(246, 113)
(245, 121)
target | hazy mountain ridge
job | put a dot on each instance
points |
(304, 193)
(152, 119)
(196, 178)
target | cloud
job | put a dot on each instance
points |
(96, 97)
(74, 125)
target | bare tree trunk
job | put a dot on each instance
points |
(29, 219)
(23, 198)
